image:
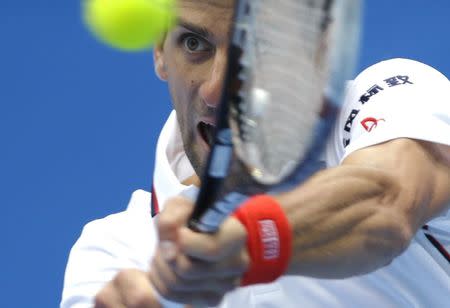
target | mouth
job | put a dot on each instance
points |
(206, 131)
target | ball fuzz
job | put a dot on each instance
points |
(129, 25)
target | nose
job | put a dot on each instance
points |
(211, 89)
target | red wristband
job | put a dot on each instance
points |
(269, 239)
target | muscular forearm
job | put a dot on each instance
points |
(357, 217)
(345, 222)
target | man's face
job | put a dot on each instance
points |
(193, 59)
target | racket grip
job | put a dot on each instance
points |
(211, 219)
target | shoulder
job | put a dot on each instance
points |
(388, 100)
(398, 65)
(397, 82)
(397, 72)
(395, 78)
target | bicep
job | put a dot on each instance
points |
(421, 169)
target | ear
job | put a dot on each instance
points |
(160, 62)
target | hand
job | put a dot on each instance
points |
(196, 268)
(131, 289)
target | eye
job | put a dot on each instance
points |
(194, 44)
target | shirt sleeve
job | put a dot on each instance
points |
(106, 246)
(397, 98)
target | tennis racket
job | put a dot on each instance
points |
(288, 61)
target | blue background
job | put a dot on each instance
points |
(79, 122)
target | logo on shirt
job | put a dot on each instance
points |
(370, 123)
(375, 89)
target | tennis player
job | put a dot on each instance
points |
(372, 230)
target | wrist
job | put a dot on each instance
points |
(269, 239)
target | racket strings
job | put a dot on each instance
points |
(283, 83)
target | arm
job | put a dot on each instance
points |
(357, 217)
(346, 221)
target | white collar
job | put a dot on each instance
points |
(171, 164)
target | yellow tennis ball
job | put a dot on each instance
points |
(129, 25)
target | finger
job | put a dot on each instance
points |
(190, 268)
(196, 299)
(135, 290)
(230, 238)
(175, 215)
(167, 281)
(199, 298)
(161, 275)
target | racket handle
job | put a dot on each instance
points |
(213, 216)
(204, 217)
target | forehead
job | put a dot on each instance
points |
(216, 15)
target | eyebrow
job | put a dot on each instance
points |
(196, 29)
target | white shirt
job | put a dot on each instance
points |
(416, 105)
